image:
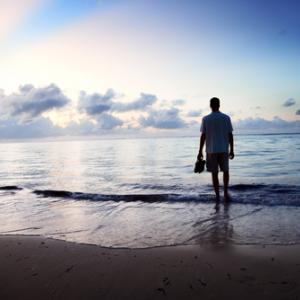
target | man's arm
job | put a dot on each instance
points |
(202, 141)
(231, 152)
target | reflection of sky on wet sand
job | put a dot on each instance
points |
(140, 224)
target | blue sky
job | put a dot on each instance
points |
(247, 53)
(52, 16)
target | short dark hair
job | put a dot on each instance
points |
(214, 102)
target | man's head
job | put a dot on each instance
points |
(215, 104)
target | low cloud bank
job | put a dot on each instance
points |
(27, 114)
(39, 128)
(260, 125)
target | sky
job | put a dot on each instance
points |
(137, 67)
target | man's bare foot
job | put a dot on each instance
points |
(227, 197)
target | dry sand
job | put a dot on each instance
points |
(40, 268)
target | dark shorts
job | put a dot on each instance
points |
(216, 161)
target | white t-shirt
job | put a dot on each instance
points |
(216, 127)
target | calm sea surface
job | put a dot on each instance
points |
(143, 192)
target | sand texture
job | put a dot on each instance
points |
(40, 268)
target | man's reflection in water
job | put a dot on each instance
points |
(217, 230)
(221, 230)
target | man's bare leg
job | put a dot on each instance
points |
(215, 181)
(226, 181)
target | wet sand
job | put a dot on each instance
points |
(41, 268)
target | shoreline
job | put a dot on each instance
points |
(205, 245)
(36, 267)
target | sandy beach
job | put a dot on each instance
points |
(34, 267)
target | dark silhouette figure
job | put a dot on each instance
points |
(217, 136)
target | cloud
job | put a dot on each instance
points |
(297, 112)
(163, 119)
(289, 102)
(178, 102)
(22, 115)
(258, 125)
(194, 113)
(108, 122)
(30, 102)
(101, 106)
(143, 102)
(95, 104)
(38, 128)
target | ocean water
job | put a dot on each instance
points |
(140, 193)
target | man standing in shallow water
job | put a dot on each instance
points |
(217, 135)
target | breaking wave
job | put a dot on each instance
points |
(258, 194)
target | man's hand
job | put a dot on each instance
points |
(200, 155)
(231, 154)
(202, 141)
